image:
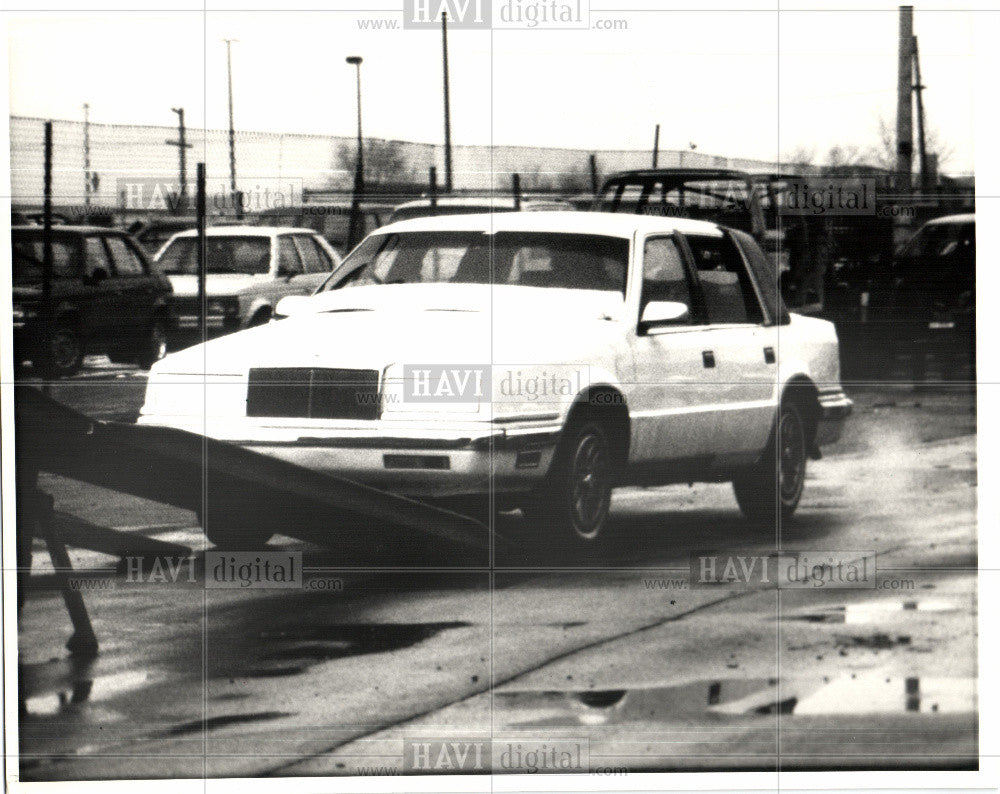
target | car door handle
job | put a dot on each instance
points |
(768, 355)
(708, 358)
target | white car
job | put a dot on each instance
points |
(543, 357)
(248, 270)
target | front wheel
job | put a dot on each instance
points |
(773, 487)
(575, 500)
(154, 347)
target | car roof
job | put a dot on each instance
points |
(967, 217)
(476, 201)
(566, 221)
(247, 231)
(687, 173)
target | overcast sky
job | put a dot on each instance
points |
(741, 83)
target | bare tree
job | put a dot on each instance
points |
(385, 162)
(883, 154)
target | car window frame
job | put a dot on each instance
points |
(143, 268)
(697, 314)
(766, 319)
(299, 240)
(277, 259)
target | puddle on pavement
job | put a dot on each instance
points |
(83, 689)
(871, 611)
(857, 694)
(292, 650)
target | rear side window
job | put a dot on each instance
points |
(725, 284)
(126, 261)
(765, 272)
(96, 257)
(28, 255)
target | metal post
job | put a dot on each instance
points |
(49, 314)
(593, 174)
(202, 249)
(182, 146)
(354, 233)
(515, 186)
(448, 183)
(904, 101)
(918, 89)
(656, 147)
(232, 131)
(434, 186)
(86, 162)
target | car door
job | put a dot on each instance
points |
(316, 263)
(138, 288)
(740, 347)
(101, 306)
(290, 276)
(672, 388)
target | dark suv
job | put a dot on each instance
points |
(105, 299)
(926, 303)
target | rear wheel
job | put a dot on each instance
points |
(773, 487)
(575, 500)
(62, 355)
(225, 533)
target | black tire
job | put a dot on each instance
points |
(154, 346)
(574, 502)
(262, 317)
(773, 487)
(62, 355)
(234, 535)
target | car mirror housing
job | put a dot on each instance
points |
(291, 304)
(95, 277)
(662, 313)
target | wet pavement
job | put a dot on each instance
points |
(618, 656)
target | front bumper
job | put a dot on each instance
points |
(415, 461)
(835, 407)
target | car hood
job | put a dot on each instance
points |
(370, 328)
(217, 285)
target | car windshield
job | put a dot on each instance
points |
(941, 240)
(532, 259)
(225, 254)
(27, 260)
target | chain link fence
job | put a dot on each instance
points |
(321, 162)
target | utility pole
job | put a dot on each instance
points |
(918, 89)
(448, 184)
(86, 162)
(904, 102)
(355, 229)
(182, 147)
(232, 131)
(656, 147)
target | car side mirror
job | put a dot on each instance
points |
(95, 277)
(662, 313)
(284, 272)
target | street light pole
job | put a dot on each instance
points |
(354, 233)
(447, 104)
(232, 131)
(86, 162)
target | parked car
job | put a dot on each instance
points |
(708, 194)
(544, 357)
(470, 205)
(151, 234)
(332, 220)
(248, 270)
(926, 302)
(105, 299)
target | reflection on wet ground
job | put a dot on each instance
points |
(856, 694)
(871, 611)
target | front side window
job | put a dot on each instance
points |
(663, 275)
(96, 257)
(228, 254)
(725, 283)
(314, 258)
(289, 263)
(533, 259)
